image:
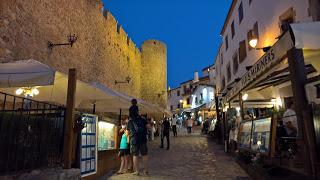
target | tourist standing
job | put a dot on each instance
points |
(138, 139)
(189, 124)
(165, 132)
(174, 125)
(124, 152)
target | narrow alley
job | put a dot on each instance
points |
(190, 157)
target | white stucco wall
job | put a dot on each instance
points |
(266, 13)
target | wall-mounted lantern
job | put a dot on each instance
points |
(127, 81)
(253, 41)
(71, 40)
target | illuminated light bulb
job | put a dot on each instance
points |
(259, 143)
(238, 109)
(35, 91)
(245, 97)
(253, 42)
(19, 91)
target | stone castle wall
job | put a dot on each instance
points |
(103, 52)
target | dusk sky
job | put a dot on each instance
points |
(190, 29)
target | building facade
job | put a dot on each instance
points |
(265, 18)
(264, 70)
(103, 52)
(189, 94)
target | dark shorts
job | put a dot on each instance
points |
(124, 152)
(136, 149)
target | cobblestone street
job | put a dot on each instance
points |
(190, 157)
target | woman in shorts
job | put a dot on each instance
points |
(124, 152)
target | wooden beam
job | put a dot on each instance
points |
(69, 120)
(298, 77)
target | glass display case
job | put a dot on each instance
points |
(255, 135)
(245, 134)
(106, 136)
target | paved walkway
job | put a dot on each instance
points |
(190, 157)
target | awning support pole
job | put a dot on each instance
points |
(298, 78)
(241, 106)
(69, 120)
(94, 108)
(120, 114)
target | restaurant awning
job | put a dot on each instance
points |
(52, 86)
(25, 73)
(304, 36)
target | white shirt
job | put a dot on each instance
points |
(290, 115)
(189, 123)
(174, 121)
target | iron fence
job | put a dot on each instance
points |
(31, 134)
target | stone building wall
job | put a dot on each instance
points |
(103, 52)
(154, 72)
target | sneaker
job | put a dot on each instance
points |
(120, 172)
(136, 173)
(145, 173)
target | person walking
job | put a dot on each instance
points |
(174, 125)
(165, 132)
(138, 139)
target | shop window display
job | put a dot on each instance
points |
(261, 135)
(106, 138)
(245, 134)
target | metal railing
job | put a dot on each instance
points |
(31, 134)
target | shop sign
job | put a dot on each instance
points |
(265, 63)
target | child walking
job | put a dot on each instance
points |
(124, 152)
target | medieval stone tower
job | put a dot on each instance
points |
(154, 72)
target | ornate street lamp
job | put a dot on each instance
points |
(71, 40)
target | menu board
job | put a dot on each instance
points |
(88, 159)
(245, 134)
(106, 138)
(261, 135)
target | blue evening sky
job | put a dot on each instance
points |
(190, 28)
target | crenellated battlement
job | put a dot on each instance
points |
(113, 24)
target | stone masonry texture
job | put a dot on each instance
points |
(103, 52)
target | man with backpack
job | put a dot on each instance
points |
(138, 138)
